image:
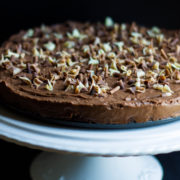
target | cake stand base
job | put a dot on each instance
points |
(53, 166)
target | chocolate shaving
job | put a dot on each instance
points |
(175, 41)
(117, 88)
(178, 50)
(106, 73)
(19, 49)
(121, 84)
(128, 99)
(147, 83)
(94, 57)
(29, 68)
(131, 81)
(93, 91)
(177, 81)
(164, 54)
(132, 90)
(81, 77)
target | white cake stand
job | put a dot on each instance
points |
(106, 154)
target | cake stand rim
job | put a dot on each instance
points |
(108, 142)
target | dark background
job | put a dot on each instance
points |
(17, 15)
(16, 160)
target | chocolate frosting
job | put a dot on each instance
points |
(53, 100)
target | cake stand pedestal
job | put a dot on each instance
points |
(91, 154)
(51, 166)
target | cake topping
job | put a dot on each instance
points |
(86, 56)
(29, 34)
(50, 46)
(26, 80)
(109, 22)
(49, 86)
(115, 89)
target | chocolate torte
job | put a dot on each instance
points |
(106, 73)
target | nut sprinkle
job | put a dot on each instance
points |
(85, 56)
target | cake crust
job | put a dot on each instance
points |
(94, 73)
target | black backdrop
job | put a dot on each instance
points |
(17, 15)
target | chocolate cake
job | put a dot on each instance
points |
(106, 73)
